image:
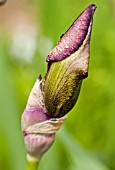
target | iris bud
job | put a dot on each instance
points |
(68, 66)
(50, 100)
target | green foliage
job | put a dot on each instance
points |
(87, 141)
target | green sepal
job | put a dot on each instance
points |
(63, 82)
(68, 66)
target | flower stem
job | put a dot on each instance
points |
(32, 165)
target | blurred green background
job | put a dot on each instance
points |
(29, 29)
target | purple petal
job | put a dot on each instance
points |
(74, 37)
(35, 110)
(37, 145)
(33, 116)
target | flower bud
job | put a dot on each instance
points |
(37, 126)
(48, 103)
(68, 66)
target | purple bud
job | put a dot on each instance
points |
(49, 102)
(68, 66)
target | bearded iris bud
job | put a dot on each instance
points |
(68, 66)
(51, 100)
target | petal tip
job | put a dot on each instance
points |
(92, 8)
(39, 78)
(74, 36)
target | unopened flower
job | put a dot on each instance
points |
(51, 100)
(38, 127)
(68, 66)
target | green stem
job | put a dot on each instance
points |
(32, 165)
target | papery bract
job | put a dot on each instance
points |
(35, 112)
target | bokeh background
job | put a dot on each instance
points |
(29, 29)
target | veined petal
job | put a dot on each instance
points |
(37, 145)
